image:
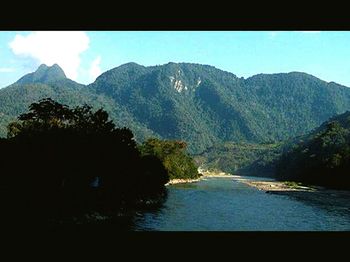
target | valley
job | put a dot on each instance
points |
(196, 137)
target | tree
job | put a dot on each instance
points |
(173, 155)
(54, 153)
(323, 159)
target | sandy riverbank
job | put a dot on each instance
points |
(205, 174)
(337, 199)
(182, 181)
(216, 174)
(261, 185)
(275, 186)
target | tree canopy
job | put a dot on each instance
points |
(323, 158)
(61, 163)
(173, 155)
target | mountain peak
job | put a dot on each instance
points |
(42, 67)
(43, 74)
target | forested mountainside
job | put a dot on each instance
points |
(322, 157)
(199, 104)
(241, 158)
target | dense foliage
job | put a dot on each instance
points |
(50, 82)
(176, 161)
(199, 104)
(241, 158)
(61, 163)
(323, 158)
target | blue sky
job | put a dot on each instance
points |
(85, 55)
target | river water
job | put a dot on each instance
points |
(225, 204)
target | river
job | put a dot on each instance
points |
(225, 204)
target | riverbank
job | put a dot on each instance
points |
(216, 174)
(182, 181)
(213, 203)
(315, 195)
(205, 174)
(277, 185)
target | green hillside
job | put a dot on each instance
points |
(199, 104)
(322, 157)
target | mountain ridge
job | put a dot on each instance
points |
(197, 103)
(44, 74)
(125, 65)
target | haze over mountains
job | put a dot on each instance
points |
(197, 103)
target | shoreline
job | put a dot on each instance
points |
(216, 174)
(310, 193)
(182, 181)
(276, 186)
(205, 174)
(267, 186)
(337, 198)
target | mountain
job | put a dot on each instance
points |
(204, 105)
(44, 74)
(241, 158)
(343, 120)
(197, 103)
(321, 157)
(52, 82)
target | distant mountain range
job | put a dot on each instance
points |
(197, 103)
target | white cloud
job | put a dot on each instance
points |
(6, 70)
(63, 48)
(95, 69)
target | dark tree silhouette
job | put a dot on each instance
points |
(60, 164)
